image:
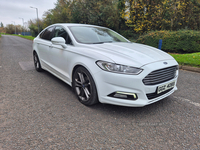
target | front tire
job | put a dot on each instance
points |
(84, 86)
(37, 62)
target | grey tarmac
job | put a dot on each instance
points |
(39, 111)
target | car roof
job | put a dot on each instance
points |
(76, 24)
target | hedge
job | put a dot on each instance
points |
(182, 41)
(129, 34)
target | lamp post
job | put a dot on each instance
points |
(37, 17)
(23, 24)
(15, 27)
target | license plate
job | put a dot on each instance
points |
(165, 87)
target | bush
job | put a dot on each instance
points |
(129, 34)
(182, 41)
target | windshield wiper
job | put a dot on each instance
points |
(98, 43)
(102, 42)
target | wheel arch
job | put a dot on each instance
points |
(35, 52)
(91, 74)
(88, 69)
(37, 62)
(74, 69)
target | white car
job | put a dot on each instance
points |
(103, 66)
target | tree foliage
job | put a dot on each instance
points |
(33, 26)
(10, 29)
(139, 16)
(1, 25)
(97, 12)
(146, 15)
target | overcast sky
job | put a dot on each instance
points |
(12, 10)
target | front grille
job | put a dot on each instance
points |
(155, 95)
(160, 76)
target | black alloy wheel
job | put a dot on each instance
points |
(84, 86)
(37, 62)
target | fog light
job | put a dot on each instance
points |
(124, 95)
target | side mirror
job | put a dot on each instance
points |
(59, 41)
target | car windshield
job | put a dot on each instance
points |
(95, 35)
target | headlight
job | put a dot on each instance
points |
(112, 67)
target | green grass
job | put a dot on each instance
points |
(26, 37)
(192, 59)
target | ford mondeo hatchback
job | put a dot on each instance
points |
(103, 66)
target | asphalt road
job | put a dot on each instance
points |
(38, 111)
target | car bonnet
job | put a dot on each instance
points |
(132, 54)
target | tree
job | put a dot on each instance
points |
(60, 14)
(1, 25)
(121, 11)
(97, 12)
(10, 29)
(33, 26)
(146, 15)
(2, 30)
(139, 16)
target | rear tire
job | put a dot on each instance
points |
(84, 86)
(37, 62)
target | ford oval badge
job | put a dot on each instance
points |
(165, 63)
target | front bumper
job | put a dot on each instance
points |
(107, 83)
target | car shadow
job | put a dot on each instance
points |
(118, 110)
(57, 79)
(157, 106)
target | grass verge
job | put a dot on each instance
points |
(26, 37)
(192, 59)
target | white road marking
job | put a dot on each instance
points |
(187, 100)
(27, 65)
